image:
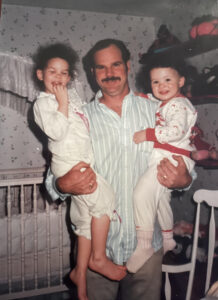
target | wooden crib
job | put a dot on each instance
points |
(34, 239)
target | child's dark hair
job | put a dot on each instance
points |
(159, 61)
(167, 61)
(58, 50)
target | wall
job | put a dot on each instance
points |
(24, 28)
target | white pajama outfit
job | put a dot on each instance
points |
(69, 143)
(174, 121)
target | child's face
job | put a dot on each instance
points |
(55, 73)
(166, 83)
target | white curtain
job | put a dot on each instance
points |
(17, 89)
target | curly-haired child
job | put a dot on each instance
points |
(58, 112)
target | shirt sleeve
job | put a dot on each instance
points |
(175, 125)
(50, 184)
(194, 176)
(52, 122)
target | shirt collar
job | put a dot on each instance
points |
(99, 95)
(44, 94)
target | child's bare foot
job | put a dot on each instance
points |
(200, 154)
(213, 154)
(79, 279)
(107, 268)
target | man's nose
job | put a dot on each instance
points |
(109, 71)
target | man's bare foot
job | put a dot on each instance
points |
(107, 268)
(78, 277)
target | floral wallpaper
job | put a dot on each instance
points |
(23, 29)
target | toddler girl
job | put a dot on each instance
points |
(175, 117)
(58, 112)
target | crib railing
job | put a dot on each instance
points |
(35, 244)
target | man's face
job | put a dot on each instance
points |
(111, 72)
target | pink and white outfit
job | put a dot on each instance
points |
(171, 135)
(69, 143)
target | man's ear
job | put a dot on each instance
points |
(181, 81)
(39, 74)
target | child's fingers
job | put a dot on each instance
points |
(135, 139)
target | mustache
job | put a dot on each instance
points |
(112, 78)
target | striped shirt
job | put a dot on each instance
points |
(121, 162)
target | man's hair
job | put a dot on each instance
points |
(89, 62)
(102, 44)
(58, 50)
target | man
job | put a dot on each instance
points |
(114, 116)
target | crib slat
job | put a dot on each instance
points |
(35, 236)
(60, 242)
(22, 237)
(9, 239)
(48, 235)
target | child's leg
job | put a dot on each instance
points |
(78, 274)
(98, 260)
(142, 252)
(145, 210)
(165, 218)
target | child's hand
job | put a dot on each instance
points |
(139, 136)
(61, 93)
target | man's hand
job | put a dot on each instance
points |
(171, 176)
(80, 180)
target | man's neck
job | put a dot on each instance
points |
(114, 102)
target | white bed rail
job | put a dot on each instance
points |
(35, 246)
